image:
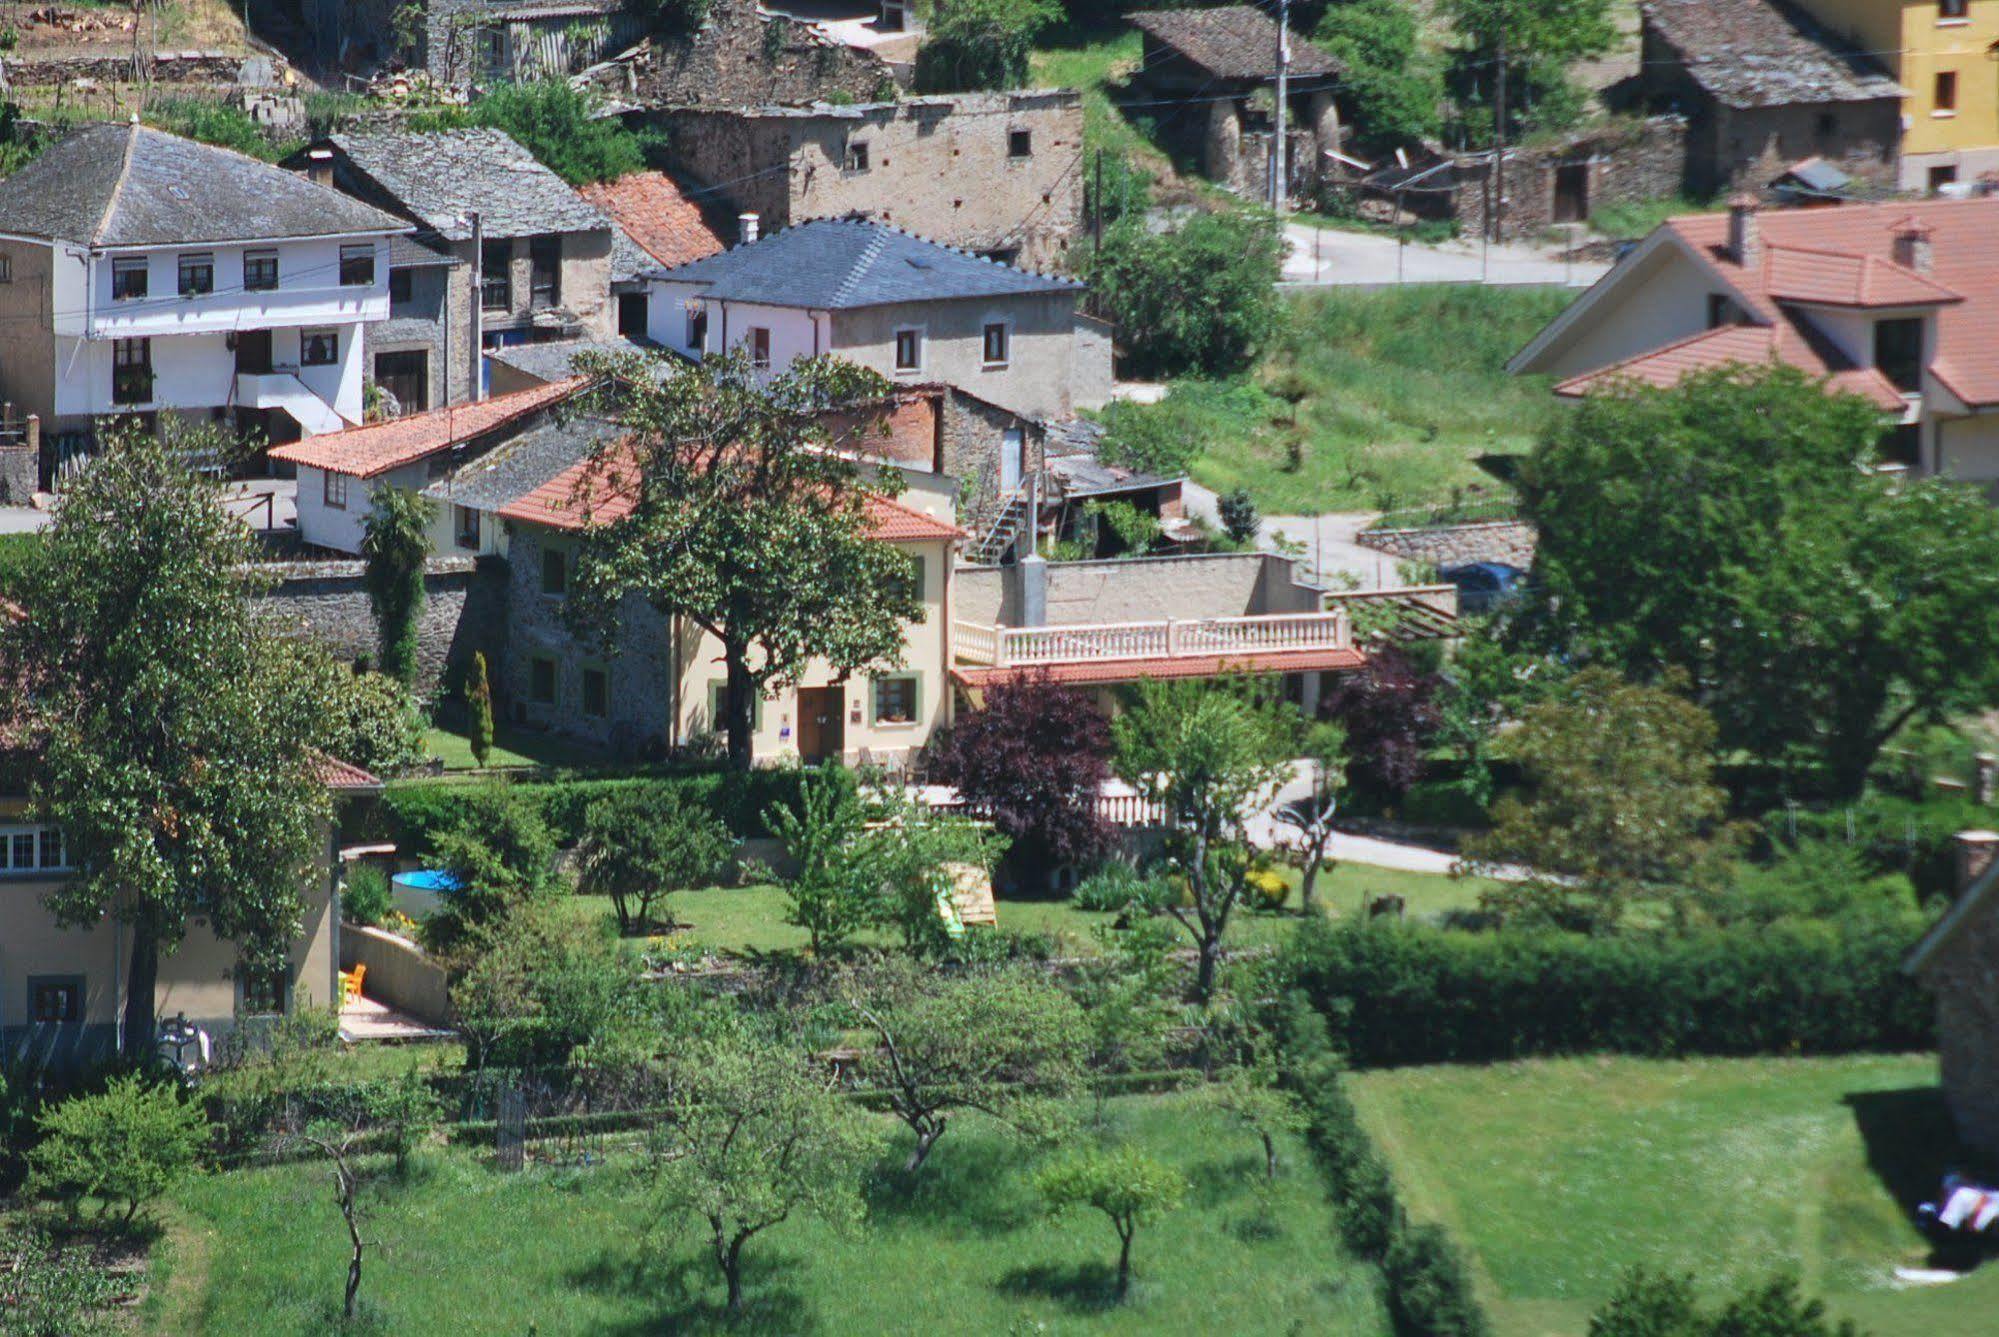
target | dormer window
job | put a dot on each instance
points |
(1898, 352)
(197, 273)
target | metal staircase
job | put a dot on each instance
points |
(999, 537)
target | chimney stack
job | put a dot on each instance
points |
(35, 434)
(1975, 851)
(1745, 235)
(748, 228)
(1912, 245)
(319, 167)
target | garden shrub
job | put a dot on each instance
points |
(1893, 834)
(125, 1146)
(52, 1289)
(417, 812)
(1405, 994)
(1429, 1290)
(1113, 887)
(366, 897)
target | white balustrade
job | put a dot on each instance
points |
(1277, 633)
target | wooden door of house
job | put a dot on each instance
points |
(1571, 192)
(822, 723)
(253, 353)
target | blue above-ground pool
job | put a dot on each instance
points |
(420, 892)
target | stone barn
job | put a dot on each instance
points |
(1958, 961)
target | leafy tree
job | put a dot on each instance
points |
(1005, 1043)
(542, 985)
(1210, 754)
(908, 865)
(745, 524)
(479, 709)
(1621, 806)
(368, 719)
(981, 44)
(1393, 85)
(1390, 715)
(1239, 516)
(644, 842)
(500, 853)
(830, 899)
(1032, 760)
(1309, 816)
(1200, 299)
(395, 545)
(1125, 1185)
(174, 757)
(1538, 40)
(749, 1141)
(1484, 684)
(127, 1145)
(1249, 1095)
(1721, 528)
(555, 123)
(1114, 188)
(1652, 1304)
(1127, 996)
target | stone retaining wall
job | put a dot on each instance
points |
(168, 67)
(1509, 541)
(325, 602)
(20, 470)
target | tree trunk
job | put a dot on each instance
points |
(1308, 880)
(1211, 953)
(742, 706)
(1123, 1263)
(926, 1137)
(732, 1269)
(142, 977)
(1269, 1155)
(347, 1189)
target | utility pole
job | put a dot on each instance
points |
(1279, 191)
(1499, 141)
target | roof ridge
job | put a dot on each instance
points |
(877, 238)
(111, 197)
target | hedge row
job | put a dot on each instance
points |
(741, 799)
(1893, 834)
(1408, 994)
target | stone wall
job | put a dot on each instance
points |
(324, 602)
(740, 58)
(168, 67)
(1622, 163)
(1961, 975)
(20, 470)
(1509, 541)
(974, 432)
(1143, 589)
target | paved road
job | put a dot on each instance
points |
(1328, 539)
(1328, 257)
(245, 499)
(21, 519)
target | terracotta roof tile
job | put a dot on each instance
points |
(342, 775)
(365, 452)
(1832, 278)
(1107, 671)
(658, 215)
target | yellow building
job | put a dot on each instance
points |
(1946, 54)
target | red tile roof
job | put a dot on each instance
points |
(1107, 671)
(365, 452)
(1734, 345)
(592, 492)
(336, 774)
(656, 213)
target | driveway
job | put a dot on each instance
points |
(1328, 541)
(1328, 257)
(21, 519)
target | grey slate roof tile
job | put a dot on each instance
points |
(1233, 42)
(833, 264)
(440, 176)
(131, 185)
(1758, 53)
(513, 469)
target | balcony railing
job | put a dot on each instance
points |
(1009, 647)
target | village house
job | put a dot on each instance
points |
(1000, 174)
(143, 273)
(455, 42)
(505, 253)
(657, 221)
(1764, 86)
(1955, 961)
(1220, 66)
(1894, 302)
(911, 309)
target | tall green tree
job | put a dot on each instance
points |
(1728, 528)
(479, 709)
(394, 545)
(175, 754)
(1392, 84)
(1212, 754)
(746, 524)
(559, 126)
(1127, 1186)
(981, 44)
(1200, 299)
(643, 842)
(1537, 41)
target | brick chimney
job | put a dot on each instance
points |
(319, 167)
(1745, 234)
(748, 228)
(1912, 245)
(1975, 851)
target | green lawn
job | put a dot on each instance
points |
(1402, 389)
(465, 1249)
(511, 748)
(1557, 1175)
(734, 919)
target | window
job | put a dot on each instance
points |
(1828, 124)
(1020, 143)
(260, 271)
(545, 271)
(496, 287)
(914, 582)
(895, 700)
(197, 273)
(1722, 310)
(406, 376)
(1898, 352)
(554, 572)
(333, 490)
(541, 681)
(318, 348)
(402, 287)
(6, 267)
(131, 371)
(1953, 9)
(633, 314)
(1941, 177)
(357, 266)
(266, 990)
(55, 1000)
(909, 350)
(128, 277)
(1945, 100)
(596, 693)
(995, 343)
(697, 329)
(759, 346)
(718, 707)
(857, 156)
(32, 849)
(465, 524)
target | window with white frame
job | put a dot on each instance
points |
(995, 344)
(32, 849)
(909, 350)
(333, 491)
(466, 527)
(759, 347)
(318, 348)
(357, 266)
(697, 328)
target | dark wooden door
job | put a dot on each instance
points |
(253, 353)
(1571, 192)
(822, 724)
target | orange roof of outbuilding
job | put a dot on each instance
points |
(656, 213)
(366, 452)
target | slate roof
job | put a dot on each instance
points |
(518, 466)
(1232, 42)
(556, 360)
(659, 217)
(439, 176)
(131, 185)
(833, 264)
(1757, 53)
(1071, 448)
(374, 449)
(411, 253)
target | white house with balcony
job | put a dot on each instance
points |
(143, 273)
(1895, 302)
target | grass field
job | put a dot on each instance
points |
(1558, 1175)
(510, 749)
(735, 919)
(467, 1250)
(1399, 392)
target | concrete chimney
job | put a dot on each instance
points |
(319, 167)
(1912, 245)
(1975, 851)
(748, 228)
(1745, 234)
(35, 434)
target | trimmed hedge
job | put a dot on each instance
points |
(1893, 834)
(1408, 994)
(740, 799)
